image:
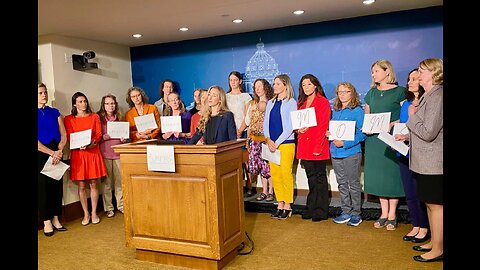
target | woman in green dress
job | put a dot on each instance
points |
(382, 172)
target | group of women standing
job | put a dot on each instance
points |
(266, 120)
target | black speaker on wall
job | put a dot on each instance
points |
(80, 62)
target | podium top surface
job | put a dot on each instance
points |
(141, 147)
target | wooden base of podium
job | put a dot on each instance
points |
(184, 261)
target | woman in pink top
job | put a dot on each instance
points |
(109, 113)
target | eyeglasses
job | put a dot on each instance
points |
(343, 92)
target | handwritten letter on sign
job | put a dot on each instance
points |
(342, 130)
(81, 138)
(145, 122)
(118, 130)
(303, 118)
(374, 122)
(400, 128)
(161, 158)
(171, 123)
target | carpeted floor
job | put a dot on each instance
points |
(279, 244)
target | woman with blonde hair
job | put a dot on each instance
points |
(217, 123)
(278, 131)
(425, 123)
(382, 172)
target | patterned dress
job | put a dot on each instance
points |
(257, 165)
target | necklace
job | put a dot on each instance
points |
(381, 93)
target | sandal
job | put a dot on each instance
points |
(270, 198)
(379, 223)
(391, 225)
(262, 197)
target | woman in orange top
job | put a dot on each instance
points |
(138, 102)
(86, 162)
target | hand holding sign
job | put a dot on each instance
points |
(341, 130)
(303, 118)
(375, 122)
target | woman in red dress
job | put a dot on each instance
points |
(86, 162)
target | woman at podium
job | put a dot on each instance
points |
(217, 123)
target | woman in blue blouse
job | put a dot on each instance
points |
(347, 155)
(52, 138)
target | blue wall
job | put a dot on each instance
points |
(334, 51)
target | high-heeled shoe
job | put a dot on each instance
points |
(48, 234)
(276, 213)
(61, 229)
(285, 213)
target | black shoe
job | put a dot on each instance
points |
(419, 258)
(408, 237)
(419, 248)
(285, 213)
(48, 233)
(421, 240)
(276, 213)
(306, 215)
(61, 229)
(317, 219)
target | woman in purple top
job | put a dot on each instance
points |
(52, 138)
(108, 113)
(177, 108)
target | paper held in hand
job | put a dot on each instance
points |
(341, 130)
(390, 140)
(54, 171)
(374, 122)
(145, 122)
(400, 128)
(171, 124)
(303, 118)
(267, 155)
(81, 138)
(118, 130)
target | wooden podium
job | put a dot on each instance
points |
(192, 218)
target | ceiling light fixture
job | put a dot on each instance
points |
(137, 35)
(237, 21)
(183, 29)
(368, 2)
(299, 12)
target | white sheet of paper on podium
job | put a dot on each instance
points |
(401, 147)
(81, 138)
(54, 171)
(160, 158)
(145, 122)
(341, 130)
(267, 155)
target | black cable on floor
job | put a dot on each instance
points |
(242, 246)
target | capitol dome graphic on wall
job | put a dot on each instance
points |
(260, 66)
